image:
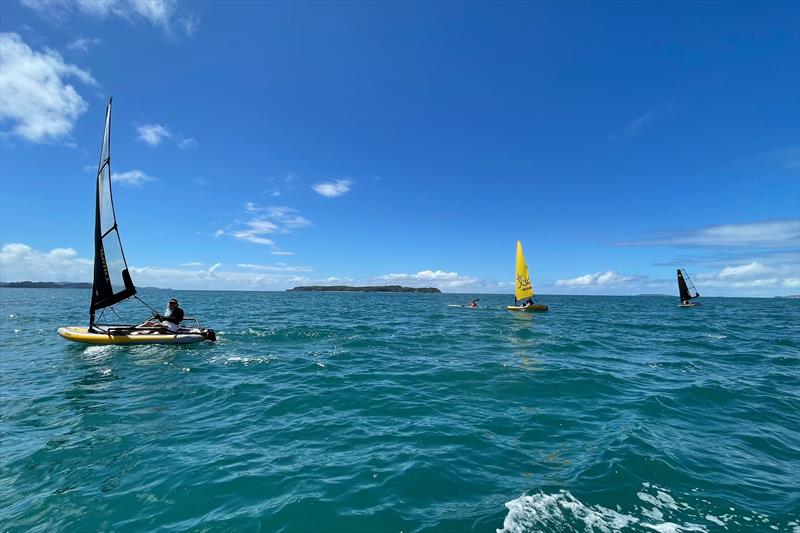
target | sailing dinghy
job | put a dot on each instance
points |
(685, 289)
(523, 287)
(112, 280)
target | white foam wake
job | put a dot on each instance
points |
(659, 511)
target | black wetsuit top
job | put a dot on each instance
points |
(173, 315)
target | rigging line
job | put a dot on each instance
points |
(115, 312)
(146, 304)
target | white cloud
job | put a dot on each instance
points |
(743, 271)
(792, 283)
(281, 252)
(35, 96)
(265, 221)
(608, 278)
(134, 178)
(20, 262)
(153, 134)
(752, 275)
(186, 143)
(192, 264)
(277, 267)
(249, 236)
(160, 13)
(764, 234)
(82, 44)
(440, 278)
(332, 189)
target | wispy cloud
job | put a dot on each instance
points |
(263, 221)
(186, 143)
(163, 14)
(82, 44)
(608, 278)
(786, 156)
(153, 134)
(133, 178)
(277, 186)
(764, 234)
(646, 119)
(192, 264)
(277, 267)
(35, 96)
(332, 189)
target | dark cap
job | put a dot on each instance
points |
(172, 300)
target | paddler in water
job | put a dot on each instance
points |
(473, 303)
(170, 320)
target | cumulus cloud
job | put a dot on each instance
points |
(751, 275)
(133, 178)
(426, 277)
(35, 96)
(598, 278)
(332, 189)
(153, 134)
(20, 262)
(164, 14)
(763, 234)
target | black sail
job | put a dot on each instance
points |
(683, 288)
(112, 282)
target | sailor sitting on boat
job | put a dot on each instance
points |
(170, 320)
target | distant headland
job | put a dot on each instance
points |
(379, 288)
(46, 284)
(55, 285)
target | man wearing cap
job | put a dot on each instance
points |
(170, 320)
(172, 316)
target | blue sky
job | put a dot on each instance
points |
(267, 145)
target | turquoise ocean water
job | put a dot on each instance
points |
(395, 412)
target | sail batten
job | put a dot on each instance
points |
(112, 282)
(523, 288)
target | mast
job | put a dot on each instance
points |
(112, 282)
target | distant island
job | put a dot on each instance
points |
(55, 285)
(46, 284)
(379, 288)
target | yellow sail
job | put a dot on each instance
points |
(523, 289)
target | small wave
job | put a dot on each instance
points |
(716, 336)
(233, 359)
(660, 512)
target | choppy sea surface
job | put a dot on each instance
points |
(396, 412)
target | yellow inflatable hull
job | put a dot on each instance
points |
(77, 334)
(534, 307)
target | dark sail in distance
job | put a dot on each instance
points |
(683, 288)
(112, 282)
